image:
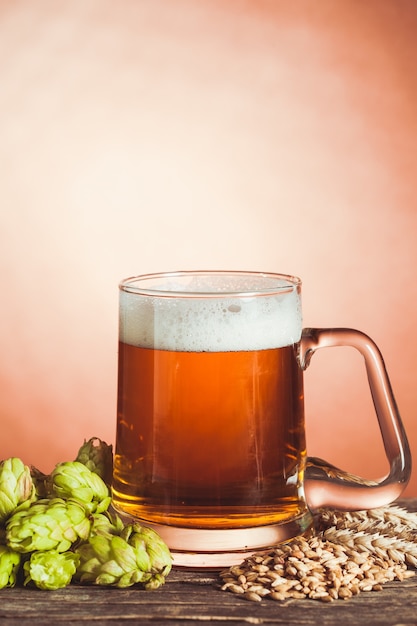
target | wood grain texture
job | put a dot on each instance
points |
(194, 599)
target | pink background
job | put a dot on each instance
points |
(152, 135)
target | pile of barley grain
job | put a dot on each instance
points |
(350, 553)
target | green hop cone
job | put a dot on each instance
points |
(16, 486)
(148, 540)
(106, 523)
(50, 569)
(74, 480)
(54, 524)
(9, 566)
(122, 561)
(97, 455)
(109, 560)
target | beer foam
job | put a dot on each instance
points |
(219, 324)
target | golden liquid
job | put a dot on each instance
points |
(209, 439)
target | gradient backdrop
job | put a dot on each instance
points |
(151, 135)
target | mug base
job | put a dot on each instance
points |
(217, 549)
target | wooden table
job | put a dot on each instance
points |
(194, 598)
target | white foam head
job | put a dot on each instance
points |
(206, 317)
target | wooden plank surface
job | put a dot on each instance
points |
(193, 598)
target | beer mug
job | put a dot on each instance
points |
(210, 443)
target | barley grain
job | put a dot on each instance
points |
(233, 588)
(326, 598)
(277, 595)
(252, 596)
(350, 553)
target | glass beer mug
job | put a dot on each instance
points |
(210, 444)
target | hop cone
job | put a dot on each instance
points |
(73, 479)
(146, 539)
(16, 486)
(50, 569)
(53, 524)
(122, 561)
(97, 455)
(9, 566)
(106, 523)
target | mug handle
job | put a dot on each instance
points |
(326, 485)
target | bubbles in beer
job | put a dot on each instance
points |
(210, 324)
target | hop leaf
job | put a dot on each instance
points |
(97, 455)
(74, 480)
(53, 524)
(50, 569)
(9, 566)
(41, 481)
(16, 486)
(124, 560)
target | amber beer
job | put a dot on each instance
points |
(210, 422)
